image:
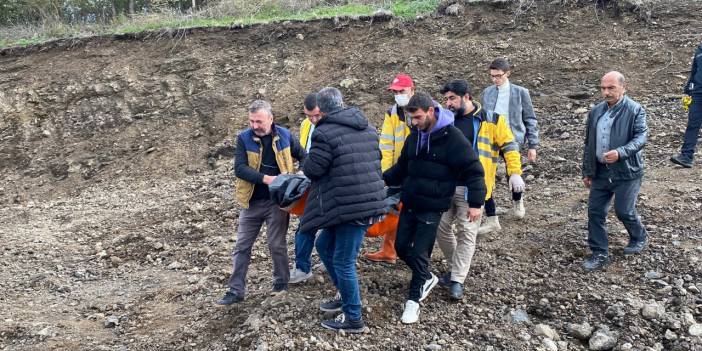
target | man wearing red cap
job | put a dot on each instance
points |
(392, 137)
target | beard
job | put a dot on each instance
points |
(260, 132)
(460, 111)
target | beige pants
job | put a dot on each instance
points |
(458, 248)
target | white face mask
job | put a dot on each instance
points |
(402, 99)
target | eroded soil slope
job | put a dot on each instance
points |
(116, 189)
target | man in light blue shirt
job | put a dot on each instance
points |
(604, 129)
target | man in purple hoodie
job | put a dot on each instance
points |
(435, 158)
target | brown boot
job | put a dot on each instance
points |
(387, 252)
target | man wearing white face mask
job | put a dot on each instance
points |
(392, 137)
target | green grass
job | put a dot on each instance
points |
(270, 11)
(21, 42)
(411, 9)
(30, 41)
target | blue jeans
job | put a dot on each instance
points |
(625, 193)
(304, 242)
(338, 247)
(694, 120)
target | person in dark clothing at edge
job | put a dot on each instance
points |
(263, 151)
(435, 158)
(693, 88)
(346, 196)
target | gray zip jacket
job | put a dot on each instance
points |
(628, 137)
(522, 119)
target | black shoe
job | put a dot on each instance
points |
(230, 298)
(445, 279)
(596, 262)
(341, 323)
(279, 287)
(456, 290)
(682, 160)
(332, 305)
(635, 247)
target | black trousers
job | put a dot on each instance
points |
(416, 233)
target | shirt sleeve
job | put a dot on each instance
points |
(530, 122)
(387, 143)
(242, 169)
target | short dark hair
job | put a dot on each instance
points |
(419, 101)
(457, 86)
(311, 101)
(502, 64)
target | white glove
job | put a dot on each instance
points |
(516, 183)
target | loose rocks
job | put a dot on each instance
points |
(580, 331)
(603, 339)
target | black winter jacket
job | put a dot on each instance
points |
(344, 167)
(429, 176)
(628, 137)
(694, 83)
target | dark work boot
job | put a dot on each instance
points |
(231, 297)
(682, 160)
(635, 247)
(332, 305)
(347, 325)
(456, 290)
(445, 279)
(279, 288)
(596, 262)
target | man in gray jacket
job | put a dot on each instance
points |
(613, 167)
(511, 100)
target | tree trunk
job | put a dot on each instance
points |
(114, 9)
(131, 7)
(194, 6)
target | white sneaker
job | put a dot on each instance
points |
(411, 313)
(428, 285)
(298, 276)
(491, 224)
(518, 209)
(501, 211)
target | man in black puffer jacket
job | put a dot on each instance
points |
(346, 197)
(435, 158)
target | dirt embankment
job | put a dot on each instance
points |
(116, 189)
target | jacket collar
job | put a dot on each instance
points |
(616, 106)
(476, 113)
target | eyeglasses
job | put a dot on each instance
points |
(497, 76)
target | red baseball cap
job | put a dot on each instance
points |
(400, 82)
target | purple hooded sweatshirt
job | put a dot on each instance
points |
(444, 117)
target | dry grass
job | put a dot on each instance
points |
(222, 13)
(229, 12)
